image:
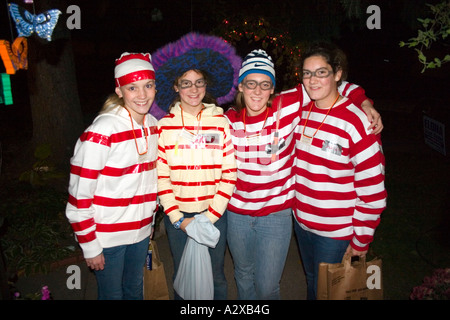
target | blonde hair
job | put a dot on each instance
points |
(113, 101)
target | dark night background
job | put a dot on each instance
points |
(108, 28)
(416, 176)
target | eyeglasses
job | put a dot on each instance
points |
(184, 84)
(252, 84)
(319, 73)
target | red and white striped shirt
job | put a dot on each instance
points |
(112, 189)
(340, 189)
(265, 182)
(196, 164)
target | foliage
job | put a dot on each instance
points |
(436, 287)
(352, 8)
(43, 171)
(36, 231)
(436, 30)
(412, 238)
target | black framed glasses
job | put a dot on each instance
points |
(184, 84)
(252, 84)
(319, 73)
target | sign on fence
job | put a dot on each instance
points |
(434, 134)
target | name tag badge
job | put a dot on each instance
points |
(332, 147)
(212, 138)
(198, 142)
(306, 140)
(186, 135)
(252, 140)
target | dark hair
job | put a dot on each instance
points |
(334, 56)
(208, 98)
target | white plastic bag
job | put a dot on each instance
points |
(194, 279)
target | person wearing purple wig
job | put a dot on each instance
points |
(196, 164)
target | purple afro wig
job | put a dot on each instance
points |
(211, 54)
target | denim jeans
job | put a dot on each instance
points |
(315, 249)
(259, 247)
(122, 277)
(177, 241)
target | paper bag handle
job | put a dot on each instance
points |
(347, 260)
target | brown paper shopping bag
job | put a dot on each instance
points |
(359, 280)
(155, 284)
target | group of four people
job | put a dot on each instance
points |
(310, 153)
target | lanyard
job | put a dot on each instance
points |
(275, 137)
(199, 118)
(264, 123)
(134, 134)
(304, 127)
(274, 145)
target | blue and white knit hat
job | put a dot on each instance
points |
(257, 61)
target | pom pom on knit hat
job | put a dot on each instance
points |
(257, 61)
(131, 67)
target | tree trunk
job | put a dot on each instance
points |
(54, 100)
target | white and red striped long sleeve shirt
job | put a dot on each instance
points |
(266, 182)
(340, 190)
(112, 189)
(196, 164)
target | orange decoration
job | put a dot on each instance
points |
(14, 57)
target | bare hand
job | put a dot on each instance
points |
(96, 263)
(373, 116)
(353, 252)
(185, 222)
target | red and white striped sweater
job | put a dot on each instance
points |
(196, 165)
(112, 190)
(265, 183)
(340, 189)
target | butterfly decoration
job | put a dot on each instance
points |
(14, 56)
(26, 23)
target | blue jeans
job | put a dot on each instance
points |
(259, 247)
(122, 277)
(315, 249)
(177, 241)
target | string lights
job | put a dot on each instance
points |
(257, 32)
